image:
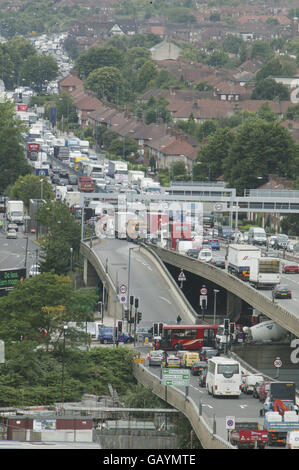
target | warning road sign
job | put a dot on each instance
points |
(182, 276)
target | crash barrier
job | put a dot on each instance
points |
(234, 285)
(177, 398)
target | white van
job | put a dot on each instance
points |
(292, 440)
(250, 381)
(257, 236)
(223, 377)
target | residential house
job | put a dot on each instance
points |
(70, 83)
(228, 91)
(203, 110)
(171, 149)
(165, 50)
(290, 82)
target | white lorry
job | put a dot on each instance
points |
(135, 176)
(120, 223)
(118, 170)
(239, 258)
(15, 211)
(264, 272)
(264, 332)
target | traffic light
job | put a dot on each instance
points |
(136, 303)
(155, 329)
(126, 315)
(131, 300)
(139, 317)
(226, 324)
(160, 328)
(232, 328)
(115, 333)
(120, 326)
(204, 304)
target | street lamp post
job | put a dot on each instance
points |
(71, 263)
(65, 327)
(216, 291)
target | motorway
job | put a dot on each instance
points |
(243, 408)
(13, 252)
(146, 282)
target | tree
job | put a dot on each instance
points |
(268, 89)
(273, 67)
(290, 225)
(38, 308)
(37, 70)
(63, 233)
(256, 151)
(232, 44)
(146, 73)
(213, 155)
(12, 159)
(31, 187)
(97, 57)
(261, 50)
(180, 15)
(107, 83)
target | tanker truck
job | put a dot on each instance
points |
(264, 332)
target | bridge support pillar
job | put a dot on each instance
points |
(90, 276)
(233, 305)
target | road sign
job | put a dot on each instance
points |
(203, 291)
(176, 377)
(182, 276)
(230, 422)
(123, 298)
(139, 360)
(277, 362)
(123, 289)
(218, 206)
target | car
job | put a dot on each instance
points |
(205, 255)
(72, 179)
(290, 246)
(193, 253)
(218, 261)
(173, 361)
(290, 268)
(202, 378)
(69, 188)
(208, 353)
(12, 226)
(55, 179)
(214, 244)
(197, 367)
(281, 292)
(271, 254)
(272, 241)
(11, 234)
(34, 270)
(156, 358)
(263, 392)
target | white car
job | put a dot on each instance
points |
(205, 255)
(11, 234)
(34, 270)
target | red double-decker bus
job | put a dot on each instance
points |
(178, 337)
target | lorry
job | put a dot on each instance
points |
(85, 184)
(72, 198)
(32, 151)
(135, 176)
(106, 335)
(120, 223)
(278, 426)
(264, 332)
(248, 435)
(239, 258)
(264, 272)
(281, 398)
(155, 222)
(118, 170)
(15, 211)
(136, 229)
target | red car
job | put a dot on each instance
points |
(290, 268)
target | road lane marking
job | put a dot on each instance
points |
(166, 300)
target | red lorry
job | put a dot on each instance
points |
(85, 184)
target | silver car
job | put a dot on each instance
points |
(156, 358)
(11, 234)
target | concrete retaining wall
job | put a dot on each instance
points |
(250, 295)
(176, 398)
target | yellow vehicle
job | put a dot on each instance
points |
(173, 361)
(77, 160)
(189, 358)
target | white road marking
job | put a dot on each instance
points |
(166, 300)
